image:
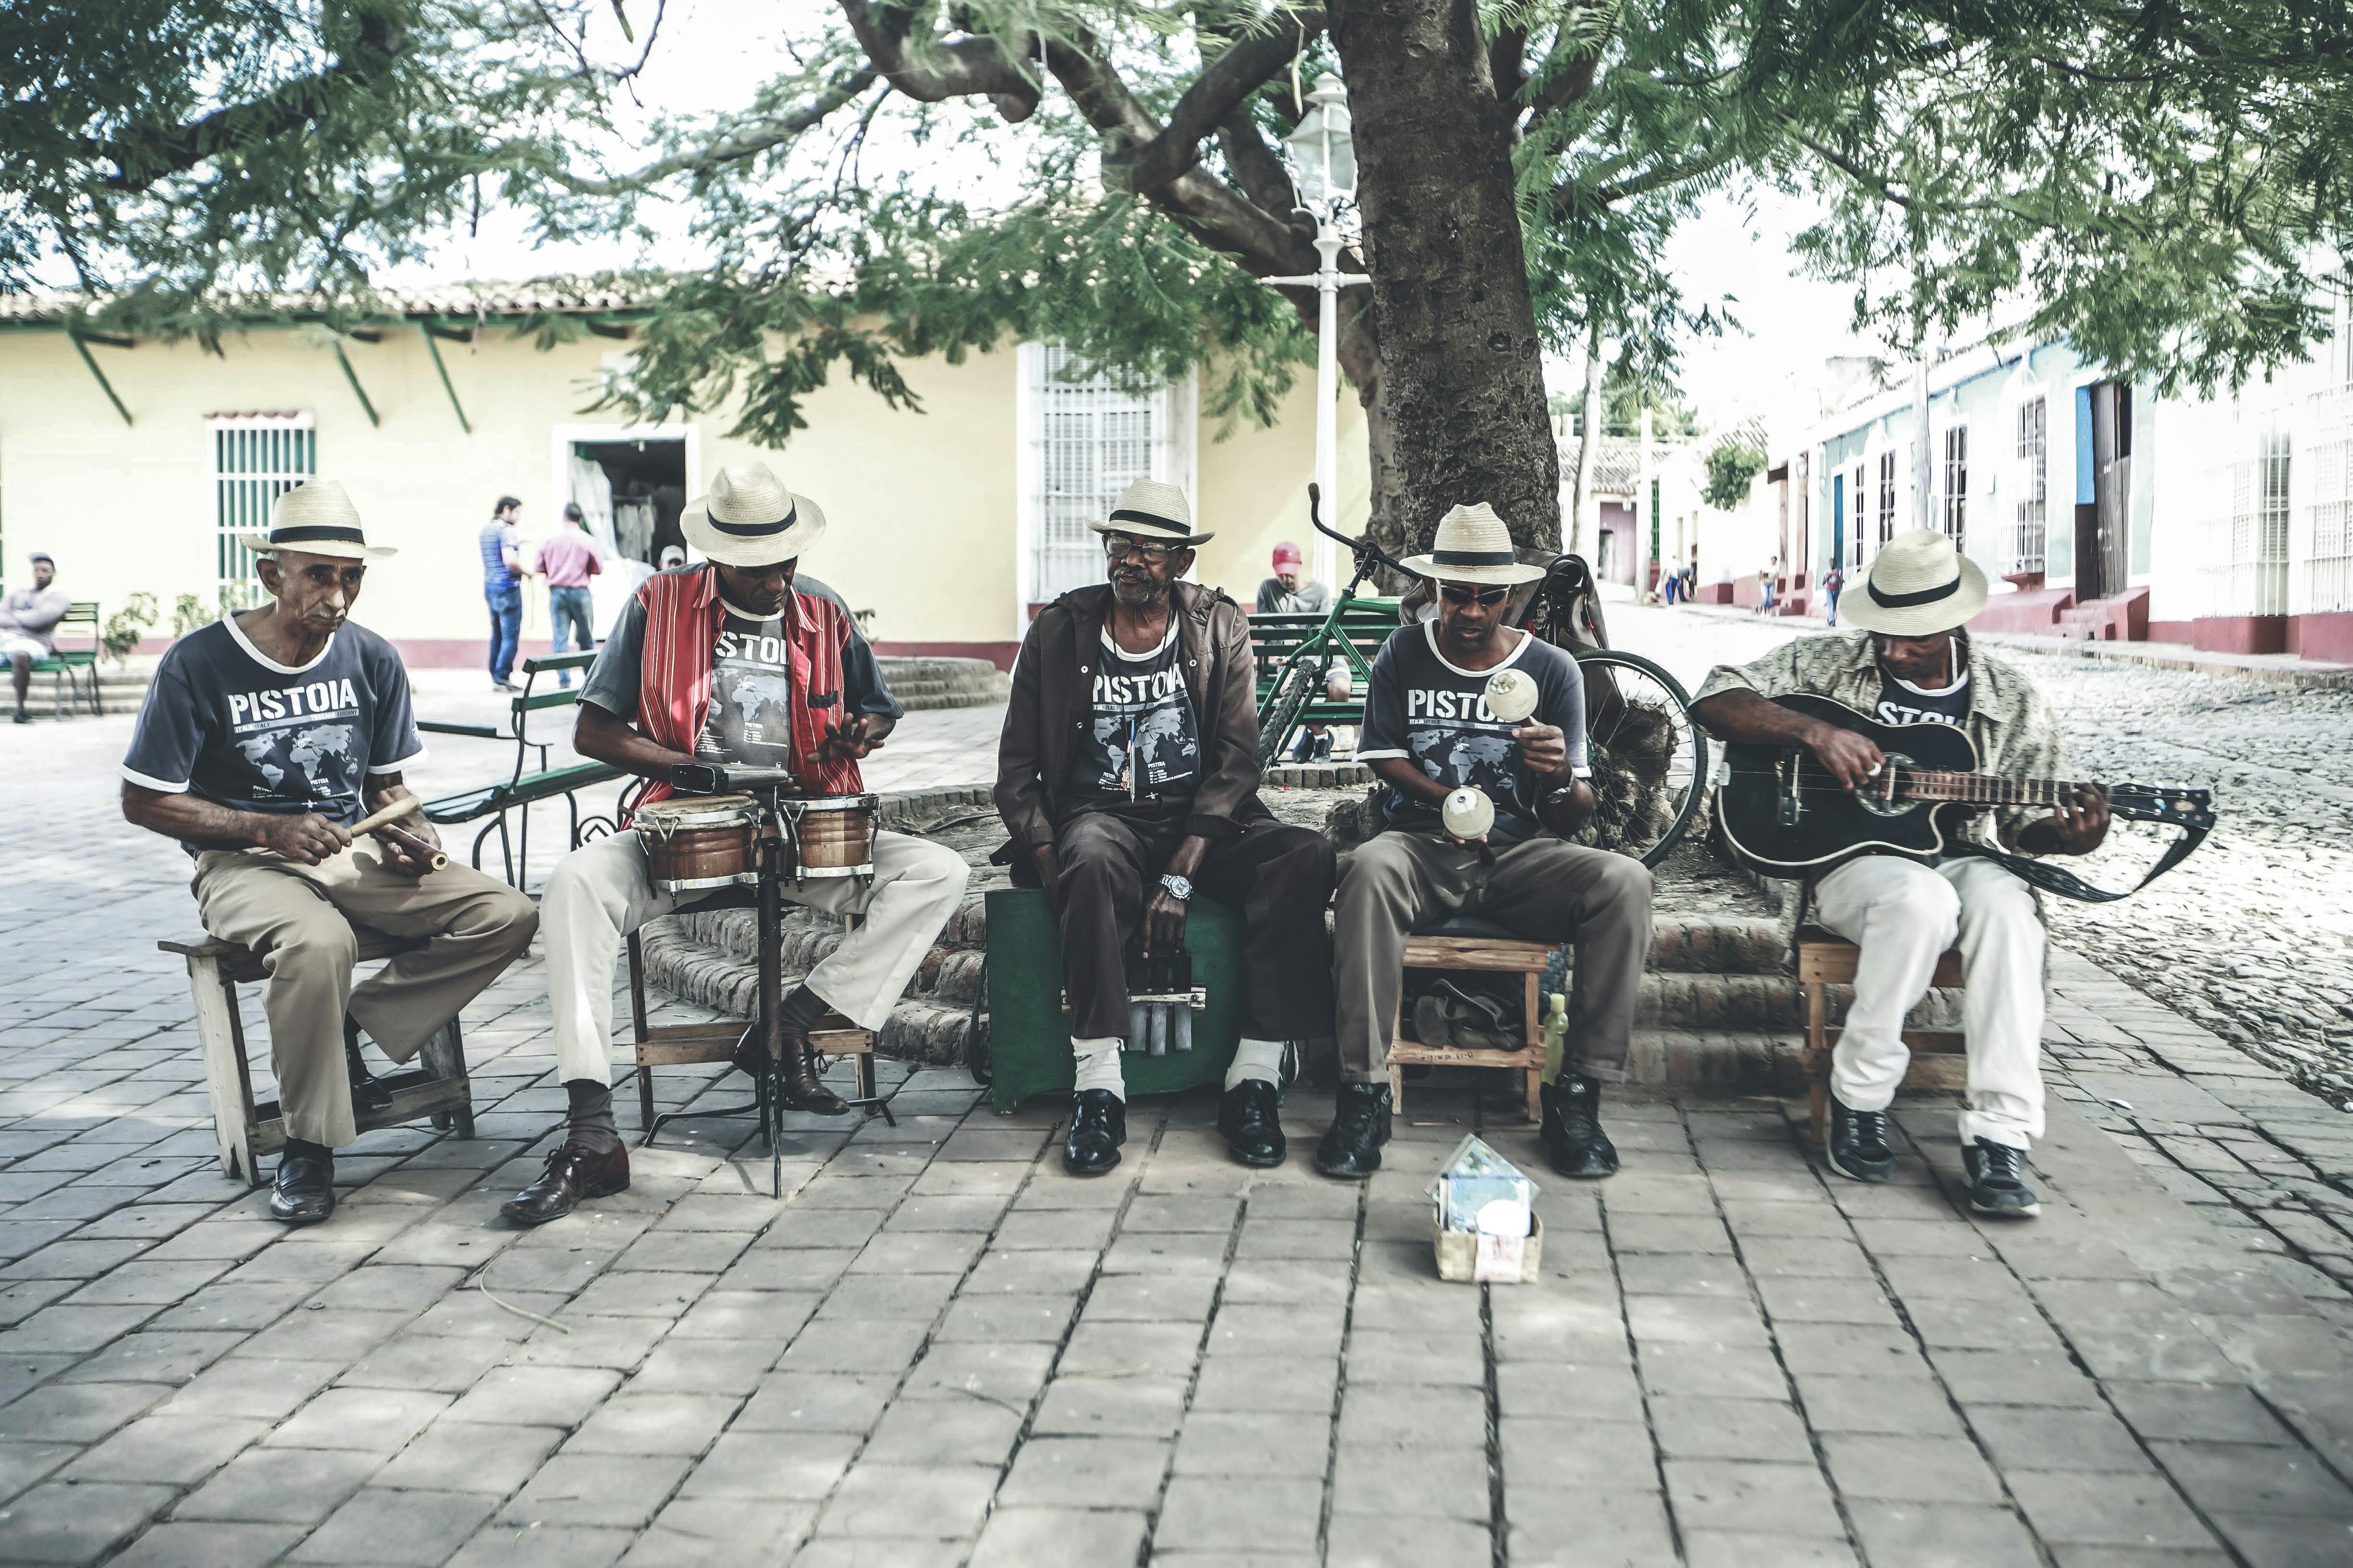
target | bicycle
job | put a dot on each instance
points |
(1635, 710)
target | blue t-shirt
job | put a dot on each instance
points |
(496, 539)
(1435, 714)
(226, 724)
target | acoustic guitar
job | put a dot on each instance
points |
(1786, 814)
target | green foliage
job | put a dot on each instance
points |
(127, 626)
(190, 613)
(1732, 468)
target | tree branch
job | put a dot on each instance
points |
(1256, 169)
(143, 157)
(1247, 64)
(959, 67)
(736, 144)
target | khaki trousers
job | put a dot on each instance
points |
(1542, 889)
(300, 918)
(600, 893)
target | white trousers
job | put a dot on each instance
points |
(599, 893)
(1904, 915)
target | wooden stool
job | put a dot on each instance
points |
(683, 1045)
(1939, 1056)
(1471, 943)
(436, 1087)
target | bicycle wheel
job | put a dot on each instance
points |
(1280, 717)
(1650, 761)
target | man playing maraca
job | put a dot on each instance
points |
(1463, 705)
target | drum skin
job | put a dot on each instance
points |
(698, 843)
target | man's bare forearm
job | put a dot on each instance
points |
(602, 738)
(1406, 777)
(1743, 717)
(190, 820)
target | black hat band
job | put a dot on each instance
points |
(1472, 558)
(303, 531)
(1925, 596)
(1129, 514)
(755, 529)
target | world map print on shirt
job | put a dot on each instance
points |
(1144, 740)
(750, 718)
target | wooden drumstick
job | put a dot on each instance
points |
(430, 854)
(405, 805)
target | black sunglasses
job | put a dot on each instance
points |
(1462, 594)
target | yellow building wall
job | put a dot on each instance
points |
(922, 508)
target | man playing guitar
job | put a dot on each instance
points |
(727, 664)
(1908, 662)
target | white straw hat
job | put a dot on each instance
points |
(750, 519)
(315, 518)
(1150, 509)
(1916, 586)
(1472, 546)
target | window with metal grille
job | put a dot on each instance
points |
(2328, 581)
(1957, 484)
(1886, 497)
(1096, 437)
(256, 458)
(2247, 576)
(1856, 505)
(2030, 526)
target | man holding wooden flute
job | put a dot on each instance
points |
(268, 740)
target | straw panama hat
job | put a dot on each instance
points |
(315, 518)
(1150, 509)
(750, 519)
(1916, 586)
(1472, 546)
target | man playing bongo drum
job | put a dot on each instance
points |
(727, 664)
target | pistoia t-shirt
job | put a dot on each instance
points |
(225, 724)
(1435, 714)
(750, 718)
(1144, 743)
(1901, 703)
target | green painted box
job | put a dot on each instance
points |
(1030, 1035)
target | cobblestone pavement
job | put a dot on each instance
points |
(940, 1349)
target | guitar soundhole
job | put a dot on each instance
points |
(1877, 794)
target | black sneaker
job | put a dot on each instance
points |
(1351, 1146)
(1997, 1180)
(1572, 1130)
(1249, 1116)
(1098, 1127)
(1859, 1148)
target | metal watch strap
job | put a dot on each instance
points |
(1179, 888)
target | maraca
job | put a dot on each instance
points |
(1511, 695)
(1468, 813)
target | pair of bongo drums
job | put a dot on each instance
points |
(698, 843)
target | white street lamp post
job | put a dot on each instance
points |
(1326, 161)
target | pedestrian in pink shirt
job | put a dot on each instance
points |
(567, 561)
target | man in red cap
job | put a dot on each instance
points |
(1291, 592)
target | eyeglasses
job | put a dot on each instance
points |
(1462, 593)
(1119, 546)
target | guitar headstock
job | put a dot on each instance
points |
(2157, 803)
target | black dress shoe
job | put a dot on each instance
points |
(572, 1176)
(304, 1192)
(1351, 1146)
(798, 1082)
(1996, 1180)
(1098, 1127)
(1859, 1148)
(1572, 1130)
(1248, 1114)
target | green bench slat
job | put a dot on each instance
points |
(468, 806)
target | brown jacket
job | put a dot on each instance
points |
(1053, 701)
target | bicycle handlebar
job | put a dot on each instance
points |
(1362, 547)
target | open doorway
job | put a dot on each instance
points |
(640, 483)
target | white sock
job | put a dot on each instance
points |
(1259, 1060)
(1098, 1065)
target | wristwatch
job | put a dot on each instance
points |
(1566, 795)
(1179, 888)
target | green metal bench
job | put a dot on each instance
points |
(1367, 625)
(64, 687)
(528, 786)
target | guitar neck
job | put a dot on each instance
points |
(1982, 789)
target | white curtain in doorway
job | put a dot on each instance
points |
(592, 492)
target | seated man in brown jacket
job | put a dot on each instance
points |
(1127, 775)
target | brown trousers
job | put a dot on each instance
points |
(300, 918)
(1542, 889)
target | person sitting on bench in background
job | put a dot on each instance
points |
(28, 624)
(1127, 775)
(1428, 732)
(735, 662)
(1291, 592)
(264, 736)
(1908, 661)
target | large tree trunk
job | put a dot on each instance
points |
(1457, 406)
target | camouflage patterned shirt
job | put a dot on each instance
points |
(2009, 722)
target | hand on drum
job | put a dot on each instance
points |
(859, 738)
